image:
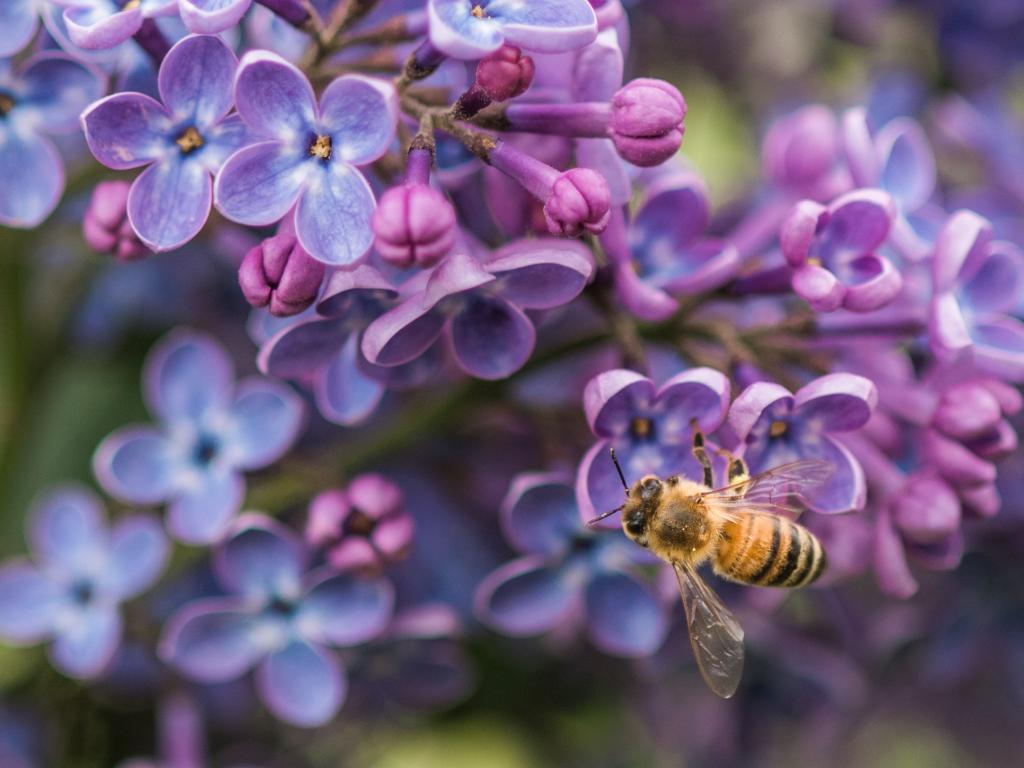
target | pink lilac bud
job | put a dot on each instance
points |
(967, 411)
(647, 121)
(575, 201)
(801, 151)
(414, 224)
(363, 527)
(505, 74)
(278, 272)
(105, 226)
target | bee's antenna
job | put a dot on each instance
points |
(603, 515)
(622, 477)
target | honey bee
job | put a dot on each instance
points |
(742, 529)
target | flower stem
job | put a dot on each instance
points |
(152, 41)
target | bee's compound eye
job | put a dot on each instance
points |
(650, 488)
(635, 524)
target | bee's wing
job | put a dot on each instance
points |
(778, 490)
(715, 635)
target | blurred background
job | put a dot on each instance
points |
(843, 676)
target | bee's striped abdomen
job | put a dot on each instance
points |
(769, 551)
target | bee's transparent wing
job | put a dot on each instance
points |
(779, 490)
(715, 635)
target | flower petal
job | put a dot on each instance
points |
(891, 567)
(263, 423)
(360, 114)
(999, 346)
(67, 530)
(186, 375)
(94, 28)
(127, 130)
(455, 31)
(675, 212)
(260, 183)
(845, 489)
(138, 553)
(749, 407)
(699, 393)
(525, 597)
(624, 616)
(262, 558)
(204, 510)
(212, 16)
(134, 464)
(196, 80)
(611, 400)
(273, 97)
(344, 393)
(961, 245)
(302, 684)
(948, 332)
(332, 220)
(541, 273)
(57, 89)
(169, 203)
(303, 347)
(346, 609)
(86, 647)
(908, 166)
(859, 221)
(871, 283)
(539, 513)
(996, 285)
(798, 230)
(837, 402)
(641, 299)
(29, 603)
(211, 640)
(19, 20)
(818, 287)
(31, 179)
(549, 27)
(491, 338)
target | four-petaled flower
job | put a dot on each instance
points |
(569, 575)
(470, 29)
(775, 427)
(211, 433)
(44, 95)
(183, 141)
(650, 428)
(306, 155)
(82, 572)
(280, 616)
(481, 305)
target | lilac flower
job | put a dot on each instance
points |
(211, 433)
(308, 155)
(43, 95)
(977, 283)
(480, 306)
(802, 153)
(81, 572)
(182, 141)
(568, 575)
(278, 617)
(213, 16)
(101, 24)
(470, 29)
(833, 249)
(650, 428)
(664, 254)
(19, 19)
(775, 427)
(324, 349)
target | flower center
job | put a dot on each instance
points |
(478, 11)
(189, 140)
(131, 5)
(814, 261)
(205, 450)
(358, 523)
(778, 428)
(641, 428)
(321, 147)
(281, 608)
(6, 104)
(82, 592)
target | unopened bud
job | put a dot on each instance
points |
(280, 274)
(647, 121)
(579, 201)
(105, 226)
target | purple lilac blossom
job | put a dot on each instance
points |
(183, 140)
(40, 97)
(102, 24)
(569, 575)
(211, 432)
(19, 19)
(279, 617)
(305, 155)
(80, 572)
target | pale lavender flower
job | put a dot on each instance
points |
(102, 24)
(81, 571)
(19, 19)
(211, 432)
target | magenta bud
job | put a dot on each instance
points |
(801, 148)
(647, 121)
(967, 411)
(927, 511)
(278, 272)
(414, 225)
(579, 201)
(505, 74)
(105, 226)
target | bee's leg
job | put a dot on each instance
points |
(737, 468)
(701, 454)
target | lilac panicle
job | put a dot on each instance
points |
(210, 433)
(303, 163)
(40, 97)
(569, 575)
(80, 572)
(280, 617)
(181, 142)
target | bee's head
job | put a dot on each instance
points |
(639, 508)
